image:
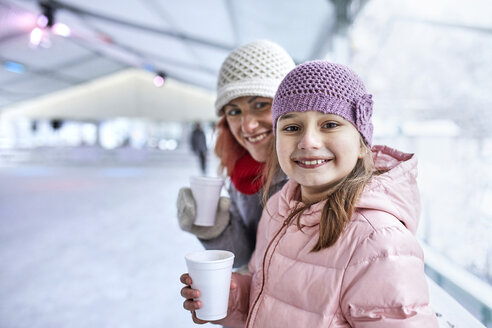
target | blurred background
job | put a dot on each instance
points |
(97, 103)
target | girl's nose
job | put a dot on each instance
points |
(249, 123)
(310, 139)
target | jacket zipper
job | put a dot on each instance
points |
(256, 302)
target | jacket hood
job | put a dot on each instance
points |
(395, 191)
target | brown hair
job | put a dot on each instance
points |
(340, 202)
(227, 149)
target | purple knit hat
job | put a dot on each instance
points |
(328, 88)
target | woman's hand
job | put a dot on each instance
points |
(189, 294)
(186, 207)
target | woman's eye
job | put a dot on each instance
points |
(261, 104)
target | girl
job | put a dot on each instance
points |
(336, 246)
(247, 82)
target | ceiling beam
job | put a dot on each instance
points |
(230, 5)
(478, 29)
(177, 35)
(156, 8)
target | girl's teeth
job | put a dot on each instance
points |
(313, 162)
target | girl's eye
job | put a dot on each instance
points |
(233, 112)
(291, 128)
(330, 125)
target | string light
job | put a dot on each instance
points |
(40, 35)
(61, 29)
(42, 21)
(159, 79)
(36, 36)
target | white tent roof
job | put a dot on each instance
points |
(129, 93)
(187, 40)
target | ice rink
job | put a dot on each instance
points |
(89, 238)
(93, 243)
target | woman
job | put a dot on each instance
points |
(247, 82)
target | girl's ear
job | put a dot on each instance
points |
(363, 149)
(361, 153)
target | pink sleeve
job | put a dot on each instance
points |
(384, 284)
(238, 302)
(239, 298)
(262, 240)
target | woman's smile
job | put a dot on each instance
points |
(257, 138)
(250, 122)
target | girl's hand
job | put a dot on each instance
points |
(189, 294)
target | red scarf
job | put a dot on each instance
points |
(246, 175)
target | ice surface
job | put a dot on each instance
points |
(93, 245)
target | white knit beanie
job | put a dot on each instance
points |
(254, 69)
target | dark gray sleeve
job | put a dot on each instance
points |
(245, 212)
(239, 236)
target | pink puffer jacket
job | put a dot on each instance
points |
(373, 276)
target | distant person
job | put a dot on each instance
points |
(336, 247)
(247, 81)
(199, 146)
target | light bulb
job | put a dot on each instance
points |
(61, 29)
(36, 36)
(158, 80)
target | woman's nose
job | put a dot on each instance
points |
(249, 123)
(310, 139)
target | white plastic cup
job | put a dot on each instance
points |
(206, 191)
(210, 272)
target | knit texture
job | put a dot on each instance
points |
(328, 88)
(246, 175)
(254, 69)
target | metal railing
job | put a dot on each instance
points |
(459, 298)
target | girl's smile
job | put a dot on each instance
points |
(316, 150)
(311, 163)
